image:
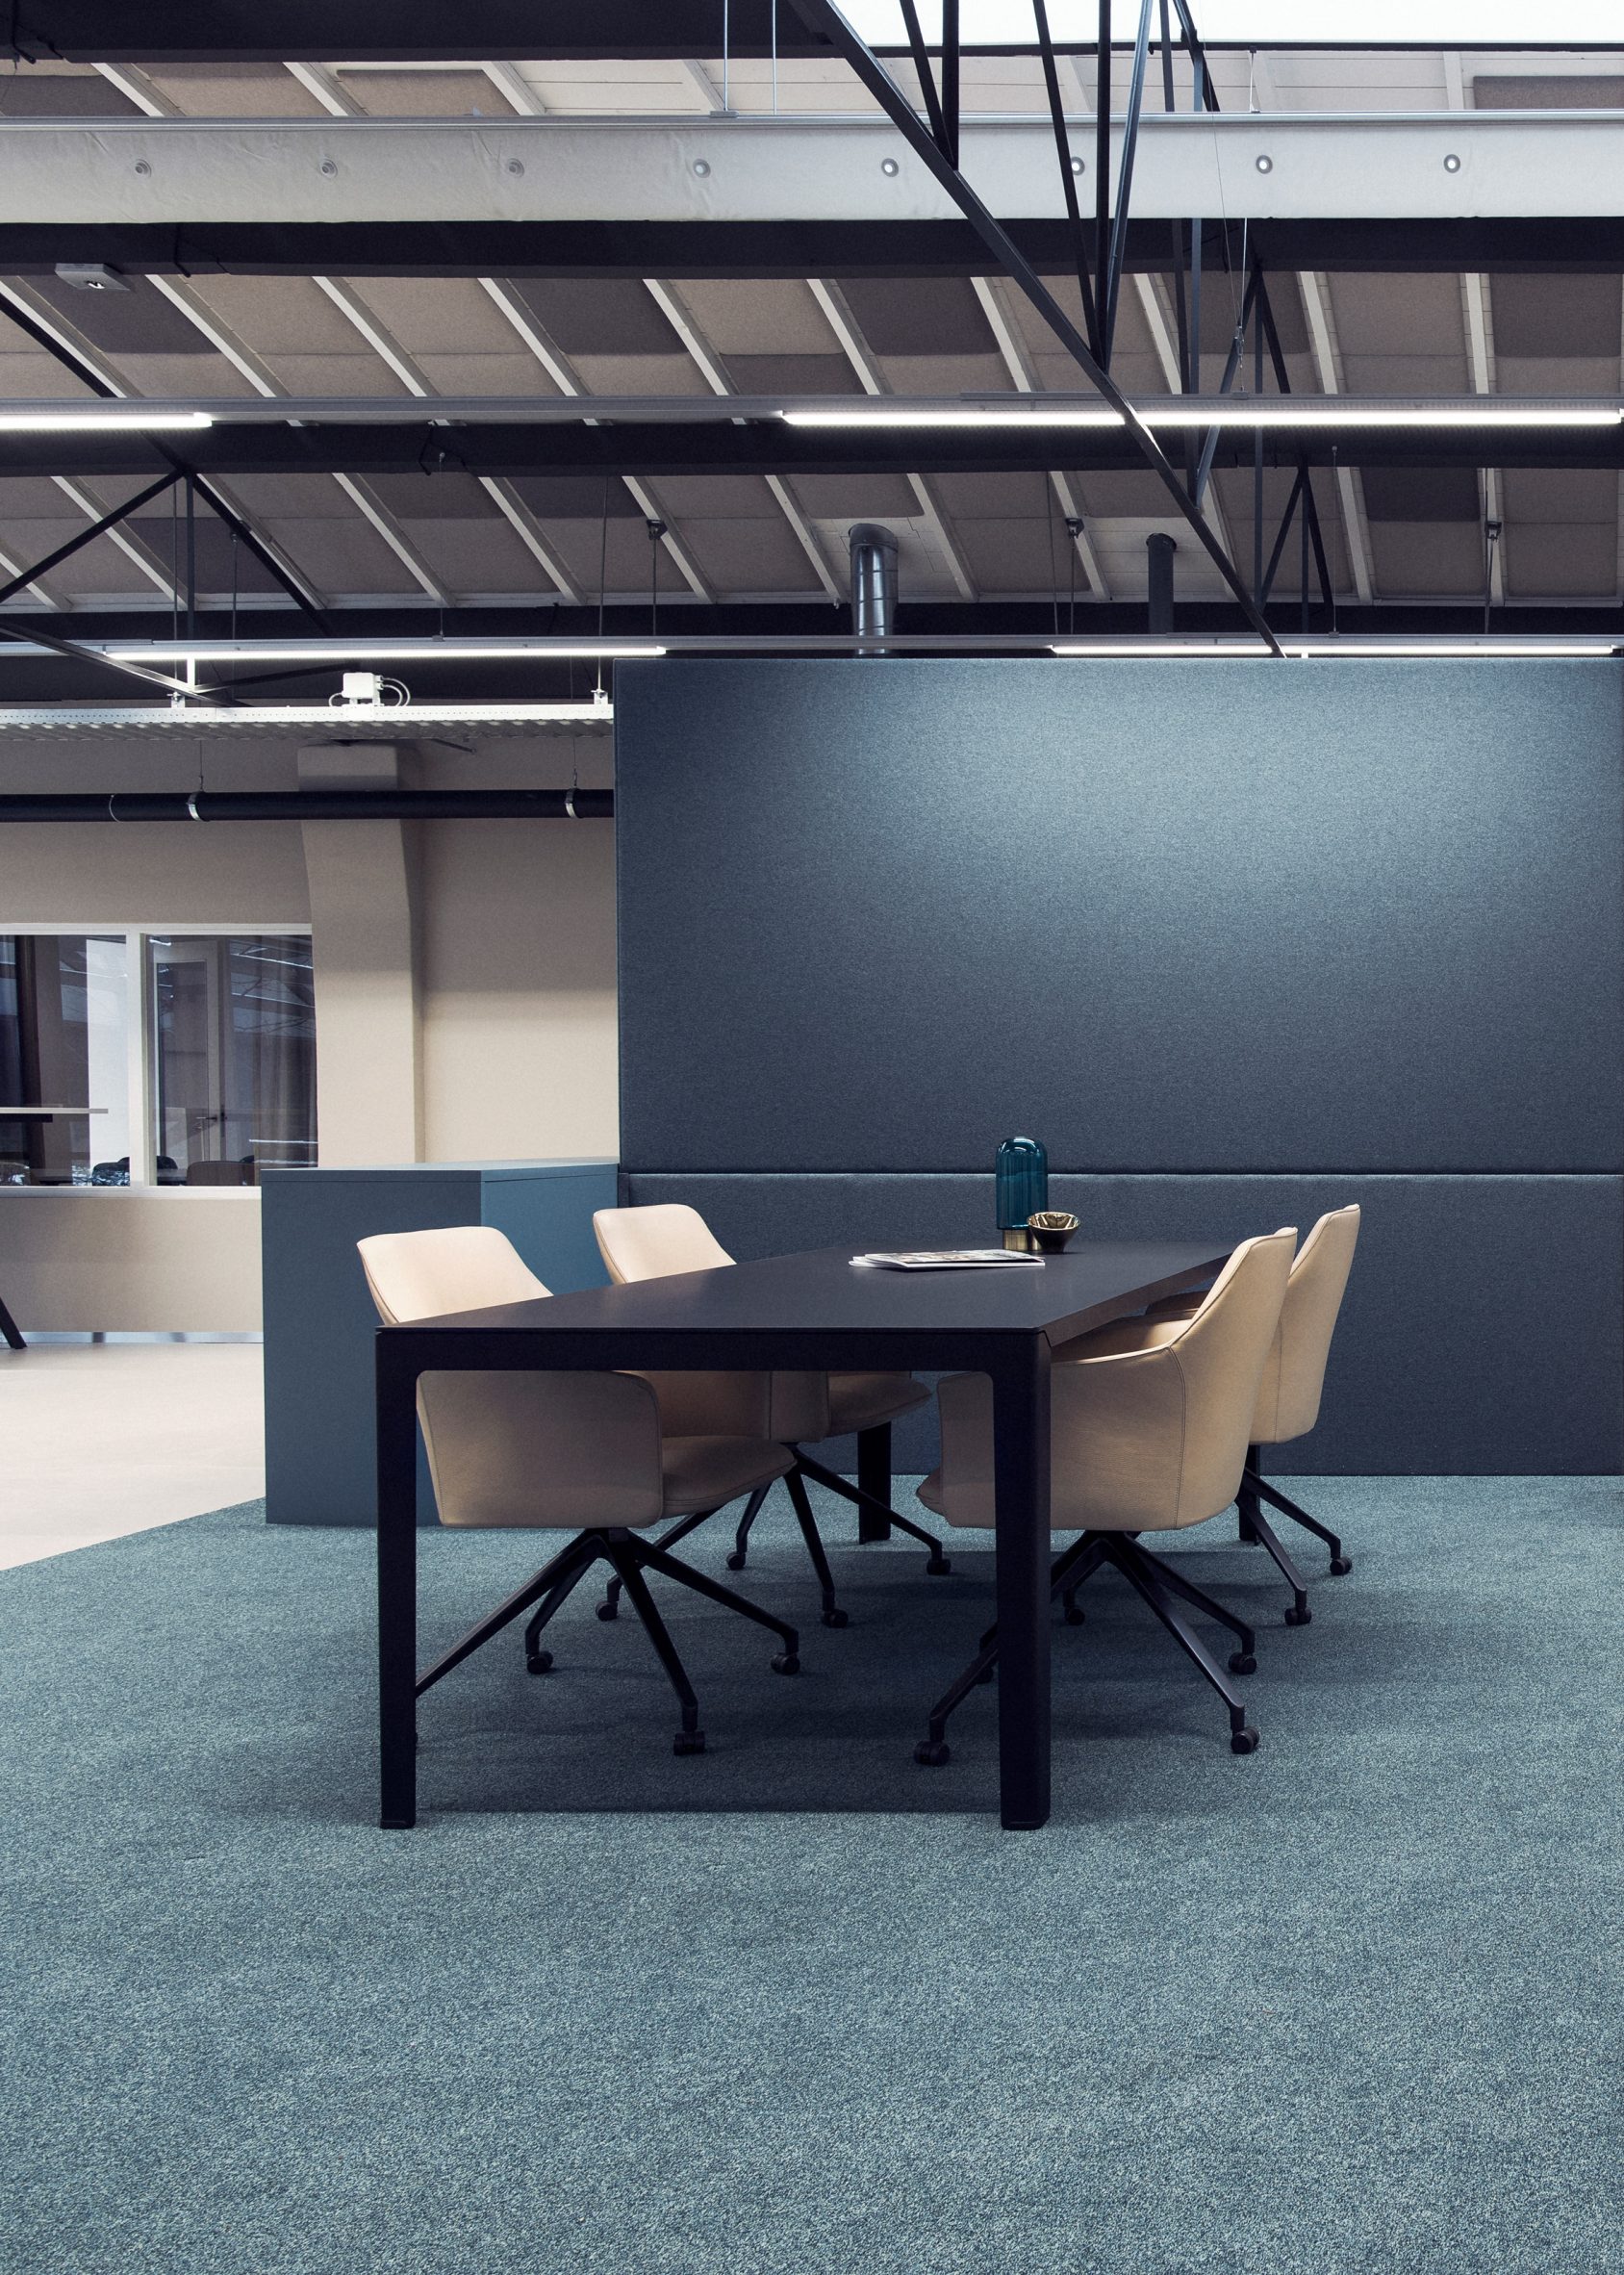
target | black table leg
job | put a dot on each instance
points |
(1021, 1491)
(397, 1588)
(873, 1475)
(10, 1329)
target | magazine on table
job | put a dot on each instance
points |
(947, 1259)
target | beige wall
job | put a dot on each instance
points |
(465, 971)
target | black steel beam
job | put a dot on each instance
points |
(311, 805)
(682, 447)
(823, 15)
(1577, 246)
(87, 535)
(405, 31)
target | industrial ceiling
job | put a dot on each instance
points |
(515, 329)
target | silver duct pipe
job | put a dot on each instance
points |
(313, 805)
(873, 580)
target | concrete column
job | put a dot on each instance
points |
(369, 1067)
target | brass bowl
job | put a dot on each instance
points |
(1050, 1230)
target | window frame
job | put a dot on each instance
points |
(141, 1057)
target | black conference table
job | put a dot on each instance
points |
(814, 1311)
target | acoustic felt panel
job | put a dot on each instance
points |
(1481, 1334)
(1165, 916)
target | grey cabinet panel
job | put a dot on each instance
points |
(319, 1323)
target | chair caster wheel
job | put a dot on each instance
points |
(785, 1663)
(608, 1610)
(1243, 1741)
(835, 1619)
(1298, 1615)
(988, 1677)
(1242, 1663)
(1074, 1618)
(736, 1561)
(936, 1566)
(689, 1742)
(538, 1662)
(931, 1752)
(1341, 1566)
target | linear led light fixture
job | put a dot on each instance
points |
(1353, 646)
(103, 422)
(956, 415)
(367, 652)
(1287, 411)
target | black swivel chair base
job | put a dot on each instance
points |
(795, 1483)
(1255, 1489)
(1159, 1585)
(630, 1557)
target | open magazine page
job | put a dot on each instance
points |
(948, 1259)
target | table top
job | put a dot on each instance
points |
(822, 1292)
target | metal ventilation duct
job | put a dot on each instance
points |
(873, 580)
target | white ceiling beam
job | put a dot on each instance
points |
(845, 326)
(1479, 349)
(1553, 164)
(559, 371)
(1024, 372)
(514, 88)
(1327, 364)
(704, 86)
(136, 87)
(315, 79)
(680, 318)
(1148, 291)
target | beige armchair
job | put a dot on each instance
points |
(1288, 1398)
(584, 1453)
(1148, 1433)
(668, 1237)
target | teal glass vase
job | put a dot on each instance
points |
(1023, 1181)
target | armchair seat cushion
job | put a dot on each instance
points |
(707, 1472)
(862, 1401)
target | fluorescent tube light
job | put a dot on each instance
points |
(1319, 411)
(107, 422)
(366, 652)
(1248, 411)
(956, 415)
(1531, 646)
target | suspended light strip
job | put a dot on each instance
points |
(370, 651)
(1152, 650)
(102, 422)
(1288, 411)
(1246, 411)
(958, 415)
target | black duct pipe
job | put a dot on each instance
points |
(313, 805)
(1160, 549)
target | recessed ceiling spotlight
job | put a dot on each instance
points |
(1077, 165)
(1452, 164)
(701, 166)
(91, 277)
(1265, 164)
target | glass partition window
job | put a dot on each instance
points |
(234, 1057)
(125, 1057)
(64, 1073)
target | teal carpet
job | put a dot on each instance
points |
(798, 2006)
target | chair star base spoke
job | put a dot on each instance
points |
(742, 1537)
(936, 1563)
(609, 1608)
(1159, 1584)
(502, 1617)
(1341, 1563)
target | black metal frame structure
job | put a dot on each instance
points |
(1162, 1588)
(630, 1557)
(822, 15)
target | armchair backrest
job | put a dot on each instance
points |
(1221, 1354)
(516, 1449)
(651, 1243)
(451, 1268)
(1288, 1398)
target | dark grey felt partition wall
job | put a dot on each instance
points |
(1239, 941)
